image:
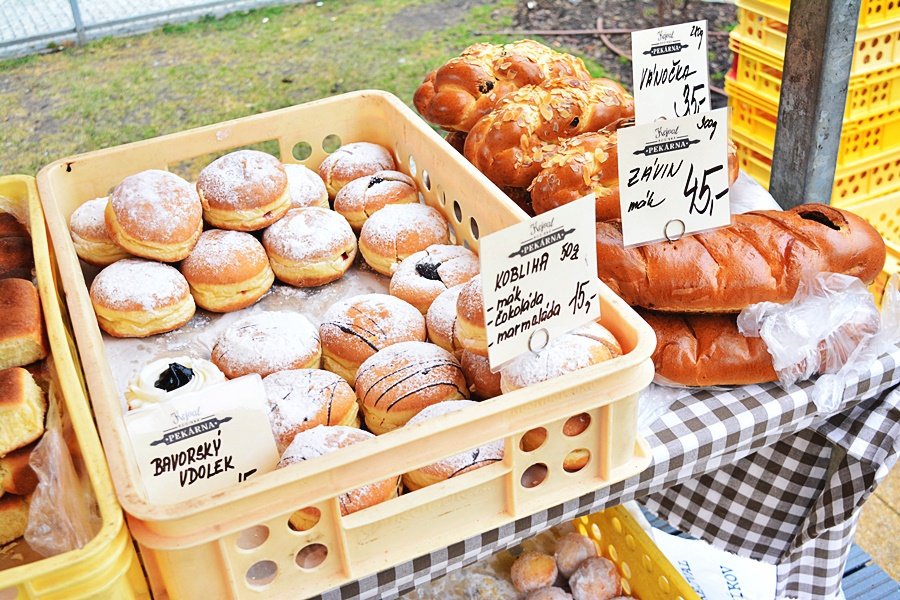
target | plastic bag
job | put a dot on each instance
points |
(831, 327)
(745, 194)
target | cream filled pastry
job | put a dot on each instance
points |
(87, 225)
(170, 377)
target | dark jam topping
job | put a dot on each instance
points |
(174, 377)
(574, 122)
(374, 181)
(485, 86)
(428, 269)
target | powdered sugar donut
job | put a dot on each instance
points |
(360, 198)
(399, 230)
(266, 342)
(154, 214)
(483, 384)
(470, 328)
(571, 550)
(300, 399)
(305, 186)
(87, 225)
(549, 593)
(244, 190)
(310, 246)
(423, 276)
(457, 464)
(353, 161)
(137, 298)
(596, 579)
(441, 321)
(533, 571)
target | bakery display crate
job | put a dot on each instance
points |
(884, 215)
(646, 572)
(107, 566)
(872, 13)
(237, 543)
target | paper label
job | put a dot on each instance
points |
(671, 72)
(673, 177)
(540, 280)
(204, 441)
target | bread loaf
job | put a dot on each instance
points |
(510, 143)
(457, 94)
(15, 248)
(762, 256)
(22, 337)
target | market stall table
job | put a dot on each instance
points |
(755, 470)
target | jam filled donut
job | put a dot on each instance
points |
(244, 191)
(305, 186)
(482, 383)
(360, 198)
(322, 440)
(423, 276)
(227, 270)
(310, 246)
(533, 571)
(154, 214)
(399, 230)
(168, 378)
(470, 329)
(356, 328)
(596, 579)
(398, 382)
(441, 321)
(87, 225)
(352, 162)
(300, 399)
(137, 298)
(457, 464)
(266, 342)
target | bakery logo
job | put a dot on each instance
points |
(667, 140)
(542, 240)
(171, 436)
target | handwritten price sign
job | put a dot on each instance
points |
(540, 280)
(673, 178)
(671, 72)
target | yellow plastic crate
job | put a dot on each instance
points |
(884, 215)
(872, 13)
(646, 572)
(107, 567)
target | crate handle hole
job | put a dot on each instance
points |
(311, 556)
(252, 537)
(576, 460)
(261, 573)
(576, 425)
(533, 439)
(331, 142)
(473, 226)
(426, 180)
(457, 211)
(301, 151)
(305, 519)
(534, 475)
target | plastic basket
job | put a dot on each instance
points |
(646, 572)
(872, 13)
(200, 548)
(884, 215)
(106, 567)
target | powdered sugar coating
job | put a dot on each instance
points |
(306, 187)
(309, 234)
(470, 304)
(242, 179)
(596, 579)
(353, 161)
(158, 206)
(399, 230)
(266, 342)
(372, 320)
(218, 249)
(422, 276)
(441, 319)
(88, 221)
(364, 196)
(138, 284)
(464, 461)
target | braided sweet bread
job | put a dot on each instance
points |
(457, 94)
(510, 143)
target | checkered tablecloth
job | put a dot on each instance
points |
(755, 470)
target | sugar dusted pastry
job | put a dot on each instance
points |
(425, 275)
(306, 187)
(533, 571)
(399, 230)
(361, 198)
(87, 226)
(170, 377)
(353, 161)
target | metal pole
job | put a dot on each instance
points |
(817, 59)
(79, 24)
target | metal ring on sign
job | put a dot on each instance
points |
(674, 238)
(531, 340)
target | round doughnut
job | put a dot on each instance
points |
(87, 226)
(154, 214)
(581, 348)
(482, 383)
(170, 377)
(399, 230)
(305, 186)
(300, 399)
(266, 342)
(360, 198)
(136, 298)
(352, 162)
(423, 276)
(571, 550)
(456, 464)
(596, 579)
(244, 191)
(470, 330)
(396, 383)
(533, 571)
(310, 246)
(321, 440)
(441, 321)
(549, 593)
(356, 328)
(227, 270)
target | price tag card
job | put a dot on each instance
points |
(540, 280)
(673, 177)
(671, 72)
(204, 441)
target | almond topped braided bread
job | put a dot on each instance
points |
(457, 94)
(510, 143)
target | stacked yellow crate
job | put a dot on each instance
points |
(868, 164)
